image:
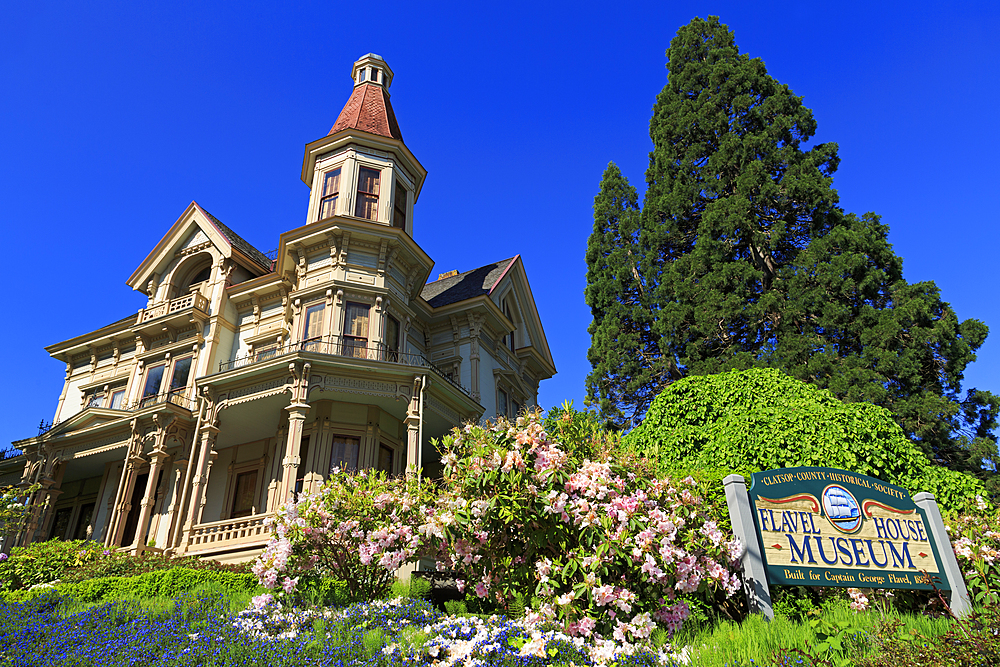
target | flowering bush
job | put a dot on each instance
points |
(519, 513)
(360, 527)
(13, 511)
(976, 540)
(604, 549)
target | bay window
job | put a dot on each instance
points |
(391, 338)
(385, 458)
(344, 454)
(356, 330)
(179, 378)
(312, 331)
(151, 389)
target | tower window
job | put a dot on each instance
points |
(366, 205)
(374, 75)
(331, 191)
(399, 208)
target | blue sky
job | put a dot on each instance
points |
(115, 116)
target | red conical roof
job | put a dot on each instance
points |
(368, 110)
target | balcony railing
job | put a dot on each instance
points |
(230, 532)
(193, 300)
(172, 397)
(340, 346)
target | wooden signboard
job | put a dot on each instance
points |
(826, 527)
(813, 526)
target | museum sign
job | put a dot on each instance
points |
(826, 527)
(813, 526)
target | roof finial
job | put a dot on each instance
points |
(371, 68)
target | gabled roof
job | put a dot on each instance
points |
(468, 285)
(230, 244)
(368, 110)
(238, 241)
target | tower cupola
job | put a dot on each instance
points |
(362, 169)
(372, 68)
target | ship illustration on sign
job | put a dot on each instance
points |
(841, 508)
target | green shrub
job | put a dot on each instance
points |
(761, 419)
(83, 560)
(163, 583)
(42, 562)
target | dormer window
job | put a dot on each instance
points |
(399, 208)
(331, 192)
(366, 203)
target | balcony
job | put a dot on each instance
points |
(341, 347)
(173, 314)
(219, 535)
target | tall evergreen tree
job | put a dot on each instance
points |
(622, 348)
(746, 260)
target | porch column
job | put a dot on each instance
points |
(412, 422)
(48, 515)
(123, 496)
(156, 459)
(36, 513)
(175, 501)
(191, 509)
(124, 505)
(199, 516)
(296, 419)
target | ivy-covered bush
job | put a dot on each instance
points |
(761, 419)
(546, 514)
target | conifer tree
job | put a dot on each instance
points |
(745, 260)
(621, 344)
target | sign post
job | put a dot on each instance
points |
(812, 526)
(754, 568)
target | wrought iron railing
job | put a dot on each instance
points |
(9, 453)
(173, 397)
(340, 346)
